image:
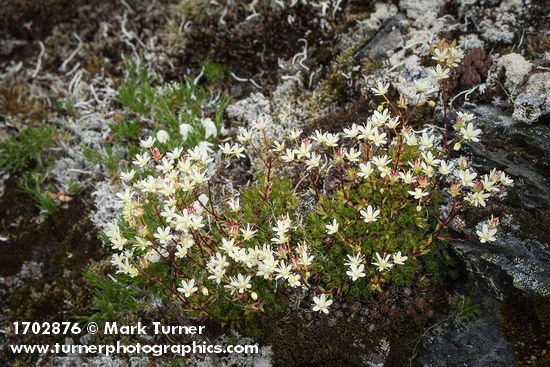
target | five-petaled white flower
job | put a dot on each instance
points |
(365, 170)
(487, 234)
(381, 89)
(332, 228)
(439, 73)
(188, 287)
(321, 303)
(248, 233)
(370, 215)
(354, 260)
(147, 143)
(356, 271)
(163, 235)
(241, 283)
(418, 193)
(398, 259)
(470, 132)
(383, 263)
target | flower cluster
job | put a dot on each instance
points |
(378, 190)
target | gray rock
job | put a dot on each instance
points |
(386, 39)
(475, 344)
(533, 100)
(517, 263)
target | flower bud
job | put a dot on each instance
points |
(163, 136)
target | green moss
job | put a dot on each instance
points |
(28, 148)
(334, 87)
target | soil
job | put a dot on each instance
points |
(251, 49)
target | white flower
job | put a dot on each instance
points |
(380, 118)
(356, 272)
(228, 245)
(487, 234)
(427, 141)
(465, 116)
(383, 263)
(352, 132)
(188, 287)
(289, 156)
(365, 170)
(398, 259)
(278, 147)
(505, 180)
(380, 89)
(407, 177)
(321, 303)
(216, 275)
(181, 251)
(127, 176)
(283, 225)
(313, 161)
(226, 149)
(147, 143)
(304, 149)
(294, 280)
(241, 283)
(248, 233)
(185, 129)
(430, 159)
(235, 150)
(283, 271)
(352, 155)
(456, 53)
(245, 135)
(418, 193)
(393, 123)
(332, 228)
(205, 147)
(381, 161)
(163, 235)
(466, 177)
(440, 54)
(260, 124)
(294, 134)
(445, 168)
(439, 73)
(175, 153)
(378, 138)
(209, 128)
(234, 204)
(169, 212)
(117, 240)
(163, 136)
(370, 215)
(354, 260)
(470, 133)
(331, 140)
(477, 198)
(217, 261)
(319, 137)
(142, 160)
